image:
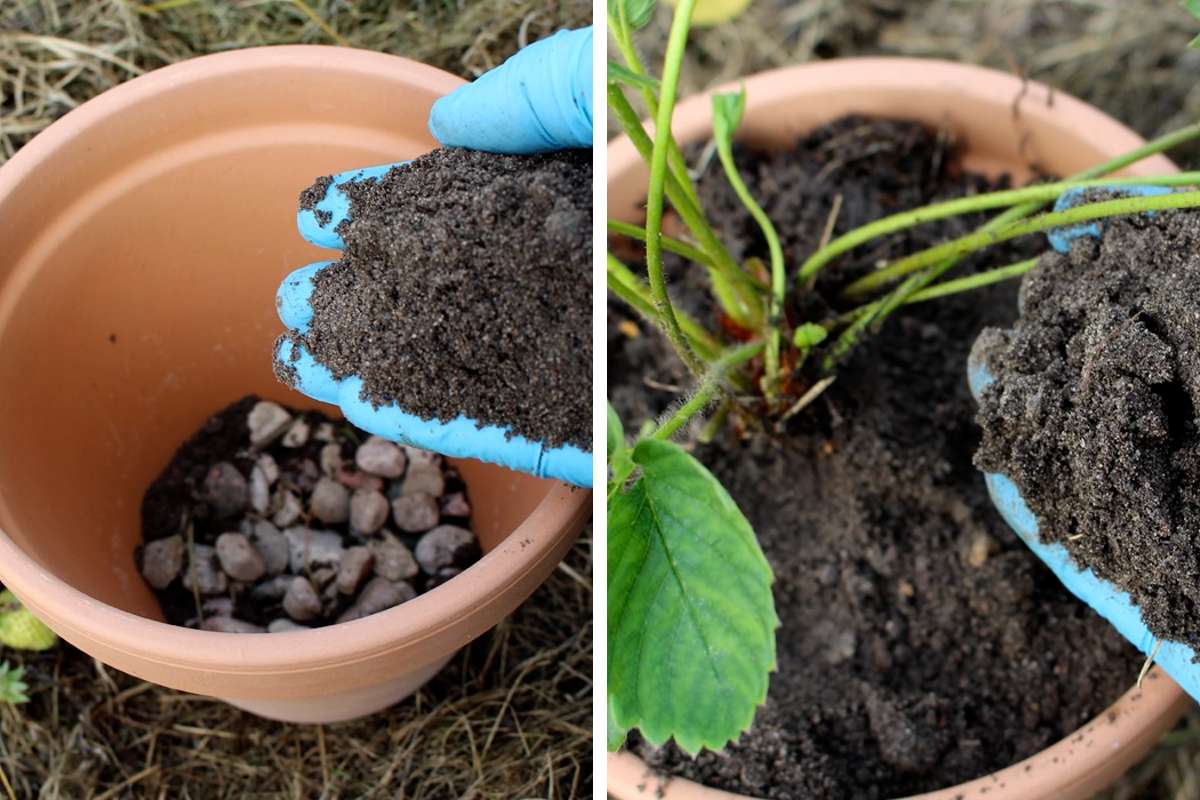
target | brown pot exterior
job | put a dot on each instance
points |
(1006, 126)
(144, 235)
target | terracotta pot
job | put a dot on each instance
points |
(144, 237)
(1006, 126)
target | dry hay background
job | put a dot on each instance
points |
(511, 716)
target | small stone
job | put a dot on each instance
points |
(313, 549)
(425, 478)
(289, 509)
(297, 434)
(301, 601)
(416, 455)
(271, 590)
(380, 457)
(267, 421)
(356, 564)
(981, 547)
(455, 505)
(331, 460)
(162, 561)
(260, 490)
(330, 502)
(284, 625)
(443, 575)
(217, 607)
(230, 625)
(325, 432)
(225, 489)
(272, 545)
(270, 468)
(306, 475)
(378, 595)
(203, 574)
(355, 479)
(368, 511)
(324, 576)
(393, 560)
(238, 557)
(445, 546)
(415, 513)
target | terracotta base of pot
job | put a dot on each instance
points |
(144, 237)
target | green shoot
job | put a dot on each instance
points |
(13, 689)
(728, 110)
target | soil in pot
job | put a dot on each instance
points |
(1093, 411)
(269, 519)
(465, 288)
(922, 644)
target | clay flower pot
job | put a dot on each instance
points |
(144, 237)
(1054, 131)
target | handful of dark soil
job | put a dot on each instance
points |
(1093, 410)
(273, 520)
(465, 288)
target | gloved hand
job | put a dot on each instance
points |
(1106, 599)
(538, 101)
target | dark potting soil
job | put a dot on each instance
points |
(1093, 411)
(465, 288)
(333, 506)
(922, 644)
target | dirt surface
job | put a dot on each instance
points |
(465, 289)
(1093, 411)
(922, 643)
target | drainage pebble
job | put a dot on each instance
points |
(271, 520)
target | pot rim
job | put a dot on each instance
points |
(1158, 702)
(79, 617)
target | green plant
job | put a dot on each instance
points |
(690, 613)
(13, 688)
(20, 629)
(1194, 7)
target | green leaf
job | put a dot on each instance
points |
(1192, 6)
(20, 629)
(809, 335)
(13, 688)
(636, 13)
(618, 74)
(691, 619)
(616, 734)
(616, 433)
(728, 110)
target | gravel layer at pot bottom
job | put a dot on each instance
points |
(465, 288)
(921, 643)
(1093, 410)
(269, 519)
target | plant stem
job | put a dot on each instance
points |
(711, 381)
(966, 205)
(627, 286)
(671, 245)
(964, 245)
(970, 282)
(778, 275)
(624, 38)
(736, 290)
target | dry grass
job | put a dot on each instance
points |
(55, 54)
(509, 718)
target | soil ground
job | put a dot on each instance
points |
(450, 262)
(511, 716)
(878, 527)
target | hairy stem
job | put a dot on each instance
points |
(631, 289)
(675, 246)
(710, 383)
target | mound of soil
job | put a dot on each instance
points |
(922, 644)
(1093, 411)
(465, 288)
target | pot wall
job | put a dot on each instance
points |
(1007, 126)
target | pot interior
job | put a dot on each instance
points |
(143, 243)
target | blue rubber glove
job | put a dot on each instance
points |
(1106, 599)
(538, 101)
